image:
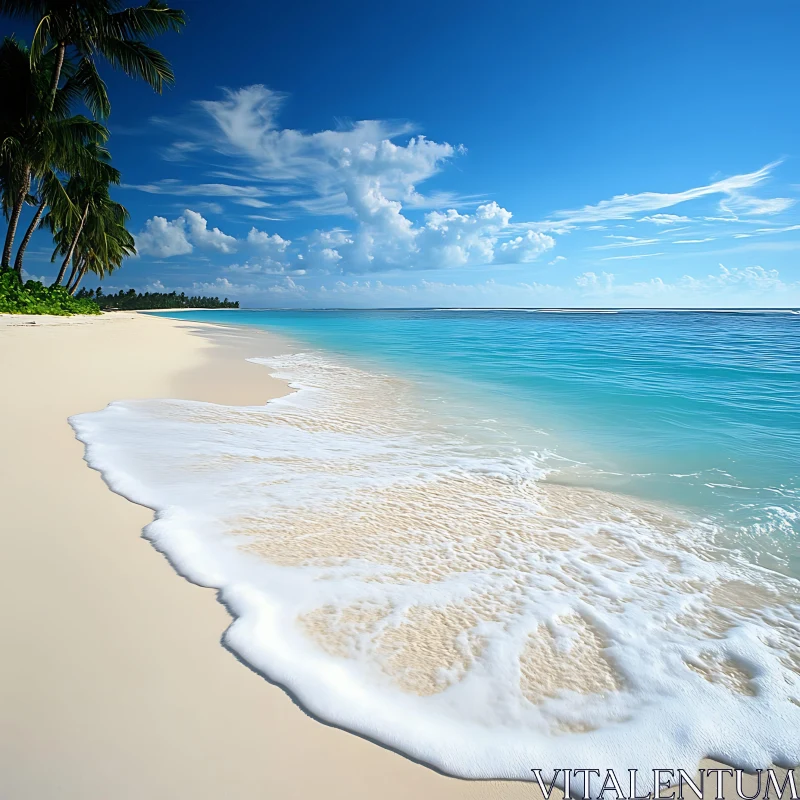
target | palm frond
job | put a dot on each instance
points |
(92, 88)
(139, 60)
(144, 22)
(41, 38)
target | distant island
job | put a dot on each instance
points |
(136, 301)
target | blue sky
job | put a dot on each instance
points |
(467, 154)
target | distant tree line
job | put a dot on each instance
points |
(136, 301)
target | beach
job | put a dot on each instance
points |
(114, 681)
(362, 438)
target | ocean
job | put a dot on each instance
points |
(501, 539)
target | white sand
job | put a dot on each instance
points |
(113, 682)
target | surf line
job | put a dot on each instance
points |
(665, 779)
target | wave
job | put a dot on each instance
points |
(429, 589)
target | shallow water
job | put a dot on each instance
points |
(694, 408)
(463, 535)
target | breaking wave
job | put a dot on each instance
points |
(429, 586)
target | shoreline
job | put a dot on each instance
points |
(116, 683)
(117, 679)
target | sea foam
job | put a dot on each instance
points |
(440, 593)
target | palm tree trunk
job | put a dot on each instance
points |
(14, 221)
(25, 239)
(75, 285)
(72, 247)
(62, 49)
(75, 266)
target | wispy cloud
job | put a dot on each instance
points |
(665, 219)
(627, 206)
(172, 186)
(631, 258)
(624, 241)
(738, 203)
(767, 231)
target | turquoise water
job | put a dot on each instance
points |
(697, 409)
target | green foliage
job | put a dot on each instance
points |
(50, 159)
(36, 298)
(81, 30)
(133, 301)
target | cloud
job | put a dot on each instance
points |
(450, 239)
(375, 176)
(728, 287)
(200, 234)
(222, 286)
(631, 258)
(665, 219)
(252, 202)
(624, 241)
(426, 293)
(556, 260)
(385, 239)
(287, 287)
(179, 151)
(274, 244)
(326, 161)
(766, 231)
(370, 172)
(626, 206)
(175, 187)
(743, 285)
(755, 277)
(208, 207)
(27, 276)
(591, 280)
(525, 248)
(695, 241)
(164, 239)
(267, 266)
(740, 203)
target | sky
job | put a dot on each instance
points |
(558, 154)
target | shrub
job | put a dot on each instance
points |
(35, 298)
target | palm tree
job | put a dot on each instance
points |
(38, 138)
(89, 197)
(100, 27)
(103, 244)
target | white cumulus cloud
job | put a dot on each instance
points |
(202, 236)
(163, 238)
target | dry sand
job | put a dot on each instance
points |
(113, 681)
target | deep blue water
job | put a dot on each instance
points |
(697, 409)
